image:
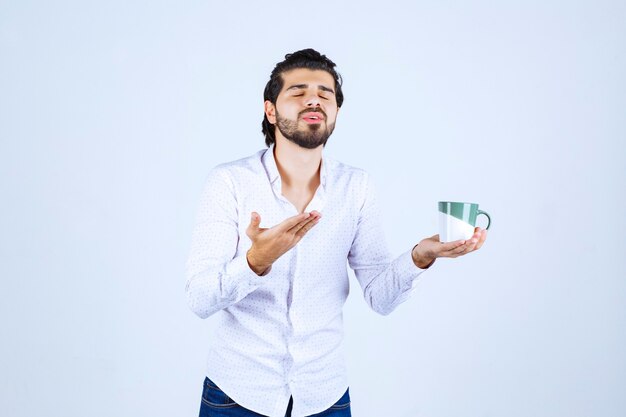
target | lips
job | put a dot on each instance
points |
(313, 117)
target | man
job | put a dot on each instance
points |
(280, 286)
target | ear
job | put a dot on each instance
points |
(270, 111)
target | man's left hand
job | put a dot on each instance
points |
(429, 249)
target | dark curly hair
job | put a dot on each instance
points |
(305, 58)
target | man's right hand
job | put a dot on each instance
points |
(270, 244)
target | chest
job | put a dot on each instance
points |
(335, 231)
(300, 198)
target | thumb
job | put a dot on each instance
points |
(255, 220)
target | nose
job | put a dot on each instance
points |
(312, 100)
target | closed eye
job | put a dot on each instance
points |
(300, 95)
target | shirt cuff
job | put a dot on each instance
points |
(405, 267)
(246, 279)
(409, 272)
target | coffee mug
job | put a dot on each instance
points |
(458, 220)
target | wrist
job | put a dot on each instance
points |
(257, 266)
(420, 259)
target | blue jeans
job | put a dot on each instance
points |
(215, 403)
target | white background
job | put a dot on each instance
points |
(112, 113)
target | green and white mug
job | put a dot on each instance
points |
(458, 220)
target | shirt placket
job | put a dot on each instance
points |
(294, 318)
(288, 210)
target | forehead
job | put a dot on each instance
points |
(307, 76)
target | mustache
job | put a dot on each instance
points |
(316, 110)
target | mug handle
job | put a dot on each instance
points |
(488, 218)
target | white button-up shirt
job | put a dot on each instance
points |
(280, 335)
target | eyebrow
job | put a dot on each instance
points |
(302, 86)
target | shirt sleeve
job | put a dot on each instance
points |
(216, 278)
(386, 282)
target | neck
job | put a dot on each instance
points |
(298, 167)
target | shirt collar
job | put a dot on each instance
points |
(269, 162)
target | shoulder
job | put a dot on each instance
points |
(232, 178)
(240, 169)
(347, 174)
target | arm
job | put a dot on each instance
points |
(216, 278)
(386, 282)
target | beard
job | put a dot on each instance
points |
(312, 136)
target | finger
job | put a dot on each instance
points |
(303, 224)
(472, 242)
(255, 220)
(461, 250)
(291, 222)
(305, 229)
(462, 247)
(450, 246)
(483, 237)
(471, 247)
(466, 247)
